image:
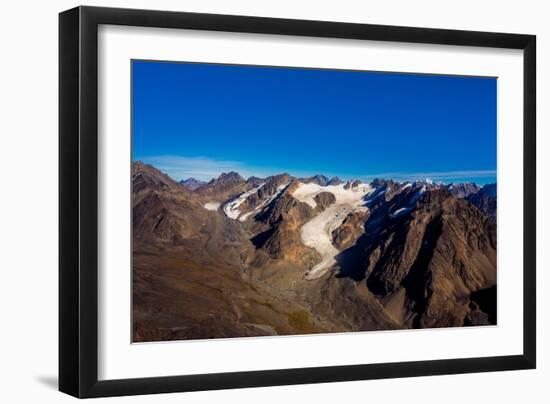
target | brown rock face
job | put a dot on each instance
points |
(164, 212)
(352, 184)
(286, 208)
(285, 243)
(223, 188)
(271, 186)
(349, 231)
(154, 218)
(157, 215)
(282, 240)
(432, 260)
(146, 177)
(324, 200)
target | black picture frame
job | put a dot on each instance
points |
(78, 201)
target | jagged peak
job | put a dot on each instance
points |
(231, 175)
(318, 179)
(335, 181)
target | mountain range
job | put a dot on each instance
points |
(282, 255)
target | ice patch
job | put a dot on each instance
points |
(212, 205)
(400, 212)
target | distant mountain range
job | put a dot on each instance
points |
(192, 184)
(285, 255)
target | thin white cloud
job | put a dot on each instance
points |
(206, 168)
(200, 168)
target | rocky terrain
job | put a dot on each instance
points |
(192, 184)
(282, 255)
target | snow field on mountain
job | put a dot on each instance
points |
(307, 192)
(317, 232)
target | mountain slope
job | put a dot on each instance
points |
(280, 255)
(424, 265)
(486, 200)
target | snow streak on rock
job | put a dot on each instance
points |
(417, 195)
(266, 202)
(231, 208)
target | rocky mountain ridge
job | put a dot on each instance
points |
(346, 256)
(192, 184)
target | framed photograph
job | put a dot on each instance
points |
(251, 201)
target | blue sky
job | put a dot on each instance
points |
(198, 120)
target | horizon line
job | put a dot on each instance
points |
(437, 177)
